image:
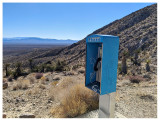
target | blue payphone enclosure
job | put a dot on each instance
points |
(109, 63)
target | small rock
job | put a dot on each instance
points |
(27, 116)
(49, 101)
(18, 110)
(17, 100)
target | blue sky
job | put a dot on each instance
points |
(61, 20)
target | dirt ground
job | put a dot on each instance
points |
(133, 100)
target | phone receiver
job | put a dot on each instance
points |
(96, 64)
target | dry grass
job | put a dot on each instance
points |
(43, 80)
(75, 99)
(54, 83)
(60, 87)
(25, 84)
(21, 84)
(32, 80)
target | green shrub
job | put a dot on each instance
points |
(50, 68)
(60, 65)
(6, 69)
(76, 66)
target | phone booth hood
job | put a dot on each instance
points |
(109, 63)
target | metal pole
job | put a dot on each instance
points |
(107, 105)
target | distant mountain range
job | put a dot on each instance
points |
(36, 40)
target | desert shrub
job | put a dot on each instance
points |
(136, 79)
(10, 78)
(60, 65)
(43, 80)
(82, 71)
(42, 67)
(6, 69)
(76, 102)
(124, 65)
(76, 66)
(21, 84)
(4, 80)
(66, 68)
(119, 68)
(15, 87)
(25, 84)
(42, 86)
(147, 77)
(147, 65)
(66, 82)
(69, 73)
(145, 96)
(36, 69)
(29, 92)
(31, 66)
(38, 75)
(60, 86)
(32, 80)
(50, 68)
(18, 71)
(75, 99)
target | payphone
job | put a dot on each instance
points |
(101, 70)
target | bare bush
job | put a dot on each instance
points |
(136, 79)
(38, 75)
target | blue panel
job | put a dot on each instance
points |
(91, 55)
(109, 65)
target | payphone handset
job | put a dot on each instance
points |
(97, 66)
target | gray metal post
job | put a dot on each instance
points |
(107, 105)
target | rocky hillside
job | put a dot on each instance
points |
(138, 30)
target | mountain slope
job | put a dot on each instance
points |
(137, 30)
